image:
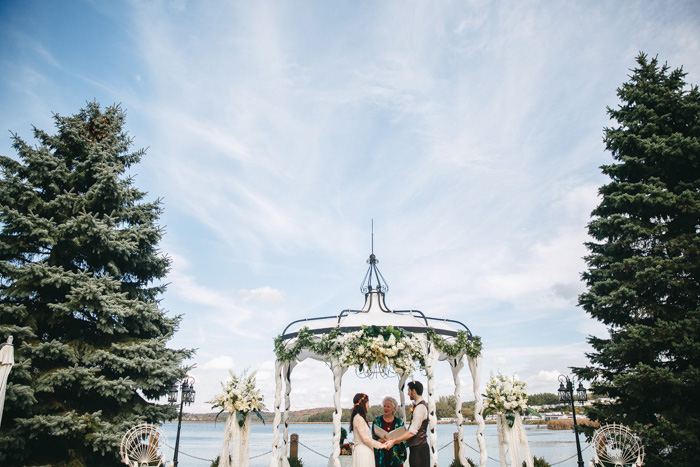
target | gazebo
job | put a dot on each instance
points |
(377, 340)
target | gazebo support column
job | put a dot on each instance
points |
(402, 397)
(475, 368)
(430, 361)
(275, 459)
(457, 364)
(338, 372)
(287, 372)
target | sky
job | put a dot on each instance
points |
(469, 132)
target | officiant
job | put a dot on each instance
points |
(388, 421)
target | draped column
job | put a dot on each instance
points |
(338, 372)
(430, 362)
(475, 368)
(275, 459)
(402, 397)
(456, 364)
(287, 374)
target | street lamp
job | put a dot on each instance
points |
(566, 394)
(188, 392)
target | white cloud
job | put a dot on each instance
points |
(547, 379)
(222, 362)
(262, 294)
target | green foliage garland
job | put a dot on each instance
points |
(472, 347)
(327, 342)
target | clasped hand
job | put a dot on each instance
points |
(387, 443)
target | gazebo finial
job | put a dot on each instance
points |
(373, 270)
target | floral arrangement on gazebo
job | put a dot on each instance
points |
(377, 341)
(240, 398)
(506, 397)
(374, 349)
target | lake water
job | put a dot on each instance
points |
(200, 443)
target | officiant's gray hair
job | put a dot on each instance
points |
(390, 399)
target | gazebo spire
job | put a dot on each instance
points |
(373, 272)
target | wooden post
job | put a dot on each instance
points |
(456, 445)
(294, 445)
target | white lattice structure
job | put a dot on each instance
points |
(144, 445)
(375, 313)
(616, 445)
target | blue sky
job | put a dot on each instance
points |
(471, 132)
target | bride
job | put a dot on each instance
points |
(363, 453)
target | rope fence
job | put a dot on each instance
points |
(328, 457)
(569, 458)
(314, 451)
(180, 451)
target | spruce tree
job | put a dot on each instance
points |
(643, 277)
(80, 275)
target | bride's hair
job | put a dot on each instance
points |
(360, 408)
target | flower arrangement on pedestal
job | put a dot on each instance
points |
(506, 396)
(240, 397)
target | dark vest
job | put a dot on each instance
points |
(420, 437)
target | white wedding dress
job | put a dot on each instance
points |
(363, 453)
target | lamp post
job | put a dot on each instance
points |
(188, 391)
(566, 394)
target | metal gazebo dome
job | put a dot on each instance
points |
(326, 339)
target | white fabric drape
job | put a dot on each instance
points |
(475, 368)
(515, 440)
(239, 439)
(456, 364)
(287, 375)
(402, 397)
(225, 456)
(338, 372)
(430, 361)
(275, 459)
(7, 361)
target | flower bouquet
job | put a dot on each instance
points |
(506, 395)
(240, 396)
(374, 348)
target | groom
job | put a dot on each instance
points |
(416, 436)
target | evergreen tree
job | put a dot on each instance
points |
(79, 291)
(643, 280)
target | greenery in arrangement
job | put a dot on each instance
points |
(643, 277)
(79, 291)
(375, 346)
(295, 462)
(240, 396)
(506, 395)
